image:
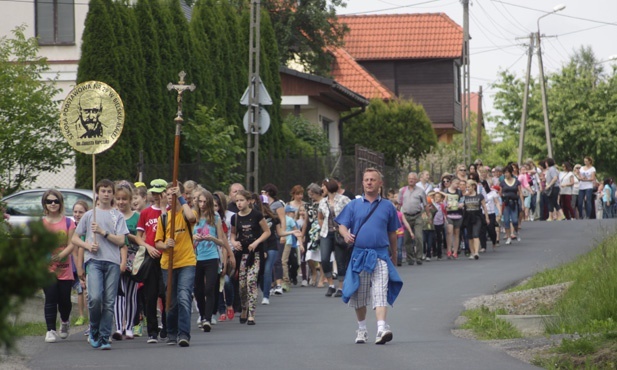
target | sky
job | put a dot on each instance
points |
(495, 25)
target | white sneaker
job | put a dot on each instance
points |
(278, 290)
(64, 330)
(213, 320)
(384, 335)
(518, 238)
(361, 336)
(304, 282)
(508, 241)
(199, 322)
(265, 301)
(51, 336)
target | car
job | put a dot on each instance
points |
(25, 206)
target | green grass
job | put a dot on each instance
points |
(486, 325)
(30, 329)
(589, 308)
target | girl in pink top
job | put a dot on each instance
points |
(400, 232)
(58, 292)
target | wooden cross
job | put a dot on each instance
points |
(180, 87)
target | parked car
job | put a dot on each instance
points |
(25, 206)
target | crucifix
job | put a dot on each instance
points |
(180, 88)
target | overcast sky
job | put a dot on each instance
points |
(495, 25)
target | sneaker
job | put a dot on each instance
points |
(137, 330)
(361, 336)
(80, 321)
(508, 241)
(476, 257)
(117, 335)
(183, 342)
(129, 334)
(278, 290)
(152, 339)
(206, 326)
(265, 301)
(230, 313)
(95, 343)
(171, 342)
(531, 218)
(51, 336)
(286, 287)
(339, 293)
(199, 321)
(163, 333)
(304, 282)
(64, 330)
(472, 257)
(383, 336)
(223, 317)
(482, 250)
(330, 291)
(428, 259)
(518, 238)
(105, 345)
(213, 320)
(87, 332)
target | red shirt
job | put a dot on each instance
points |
(148, 221)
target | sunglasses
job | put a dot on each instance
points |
(52, 201)
(462, 170)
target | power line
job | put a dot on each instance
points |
(393, 8)
(496, 25)
(557, 14)
(521, 26)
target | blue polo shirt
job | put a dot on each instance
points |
(374, 232)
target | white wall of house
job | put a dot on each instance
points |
(62, 52)
(317, 113)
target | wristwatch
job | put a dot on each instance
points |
(106, 234)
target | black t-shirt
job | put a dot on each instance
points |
(247, 228)
(349, 194)
(270, 243)
(473, 203)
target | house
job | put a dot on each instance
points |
(415, 56)
(320, 100)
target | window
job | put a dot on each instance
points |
(457, 83)
(55, 22)
(325, 125)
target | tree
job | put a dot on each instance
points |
(216, 145)
(29, 134)
(308, 135)
(400, 129)
(24, 260)
(305, 29)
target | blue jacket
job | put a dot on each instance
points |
(365, 259)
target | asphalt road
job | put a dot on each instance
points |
(305, 330)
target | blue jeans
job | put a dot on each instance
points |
(103, 277)
(226, 297)
(510, 215)
(585, 197)
(400, 242)
(179, 314)
(268, 267)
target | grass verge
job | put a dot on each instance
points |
(486, 326)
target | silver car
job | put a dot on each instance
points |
(25, 206)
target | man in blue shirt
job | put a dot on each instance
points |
(370, 223)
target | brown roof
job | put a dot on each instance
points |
(402, 36)
(350, 74)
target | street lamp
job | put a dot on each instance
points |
(547, 128)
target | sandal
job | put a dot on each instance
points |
(250, 321)
(243, 320)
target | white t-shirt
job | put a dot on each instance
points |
(586, 174)
(564, 179)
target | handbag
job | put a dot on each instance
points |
(142, 264)
(338, 236)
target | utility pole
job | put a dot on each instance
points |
(466, 89)
(547, 126)
(252, 140)
(478, 123)
(521, 137)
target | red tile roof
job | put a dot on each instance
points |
(350, 74)
(402, 36)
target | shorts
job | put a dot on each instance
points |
(456, 222)
(372, 287)
(527, 202)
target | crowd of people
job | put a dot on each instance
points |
(224, 250)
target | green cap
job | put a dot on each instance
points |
(158, 186)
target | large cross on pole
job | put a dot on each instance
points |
(180, 88)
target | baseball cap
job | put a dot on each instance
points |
(496, 187)
(139, 184)
(158, 186)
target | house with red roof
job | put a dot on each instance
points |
(409, 56)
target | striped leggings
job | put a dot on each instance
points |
(125, 306)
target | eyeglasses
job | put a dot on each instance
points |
(52, 201)
(445, 181)
(462, 170)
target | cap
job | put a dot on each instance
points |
(158, 186)
(139, 184)
(289, 208)
(496, 187)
